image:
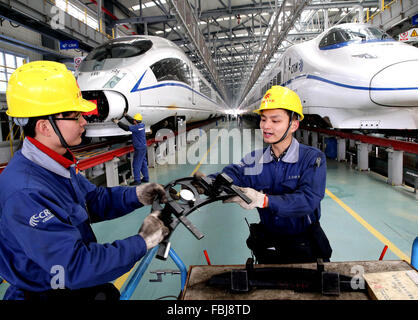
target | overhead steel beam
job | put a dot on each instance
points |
(245, 9)
(248, 39)
(34, 48)
(266, 7)
(189, 21)
(283, 22)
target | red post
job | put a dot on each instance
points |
(207, 257)
(383, 253)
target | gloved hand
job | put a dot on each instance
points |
(198, 176)
(148, 191)
(153, 230)
(259, 200)
(115, 120)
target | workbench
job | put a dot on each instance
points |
(197, 289)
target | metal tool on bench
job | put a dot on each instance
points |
(286, 278)
(188, 199)
(160, 273)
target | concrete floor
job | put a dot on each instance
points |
(360, 214)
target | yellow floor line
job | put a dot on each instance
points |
(372, 230)
(119, 282)
(205, 156)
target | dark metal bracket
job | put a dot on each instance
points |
(201, 192)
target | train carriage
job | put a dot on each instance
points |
(144, 74)
(352, 76)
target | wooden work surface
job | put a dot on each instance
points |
(196, 288)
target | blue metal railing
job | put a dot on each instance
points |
(139, 272)
(414, 254)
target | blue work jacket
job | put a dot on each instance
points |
(45, 216)
(295, 185)
(139, 140)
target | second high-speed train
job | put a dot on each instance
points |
(145, 74)
(352, 76)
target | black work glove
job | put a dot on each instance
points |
(195, 182)
(153, 230)
(148, 191)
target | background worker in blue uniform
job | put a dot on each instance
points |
(139, 141)
(286, 183)
(47, 247)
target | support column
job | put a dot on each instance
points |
(395, 167)
(323, 144)
(181, 142)
(112, 176)
(341, 149)
(151, 155)
(314, 136)
(306, 137)
(363, 150)
(298, 135)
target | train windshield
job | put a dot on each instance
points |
(109, 55)
(341, 36)
(365, 33)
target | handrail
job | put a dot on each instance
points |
(137, 276)
(384, 7)
(414, 254)
(398, 145)
(145, 262)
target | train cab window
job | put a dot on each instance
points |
(335, 36)
(172, 69)
(119, 49)
(354, 33)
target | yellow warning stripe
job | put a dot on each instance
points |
(372, 230)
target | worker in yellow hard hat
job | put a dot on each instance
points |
(139, 141)
(48, 250)
(286, 183)
(275, 103)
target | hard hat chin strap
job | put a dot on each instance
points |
(57, 131)
(287, 130)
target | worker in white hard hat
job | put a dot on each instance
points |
(48, 250)
(286, 183)
(139, 141)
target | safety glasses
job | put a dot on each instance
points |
(76, 118)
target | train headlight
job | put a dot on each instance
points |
(114, 81)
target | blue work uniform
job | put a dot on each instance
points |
(140, 164)
(139, 142)
(45, 215)
(294, 185)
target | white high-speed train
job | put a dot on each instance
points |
(144, 74)
(352, 76)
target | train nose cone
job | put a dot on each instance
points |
(396, 85)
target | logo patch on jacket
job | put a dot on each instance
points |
(42, 216)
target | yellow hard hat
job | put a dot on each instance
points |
(42, 88)
(138, 117)
(278, 97)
